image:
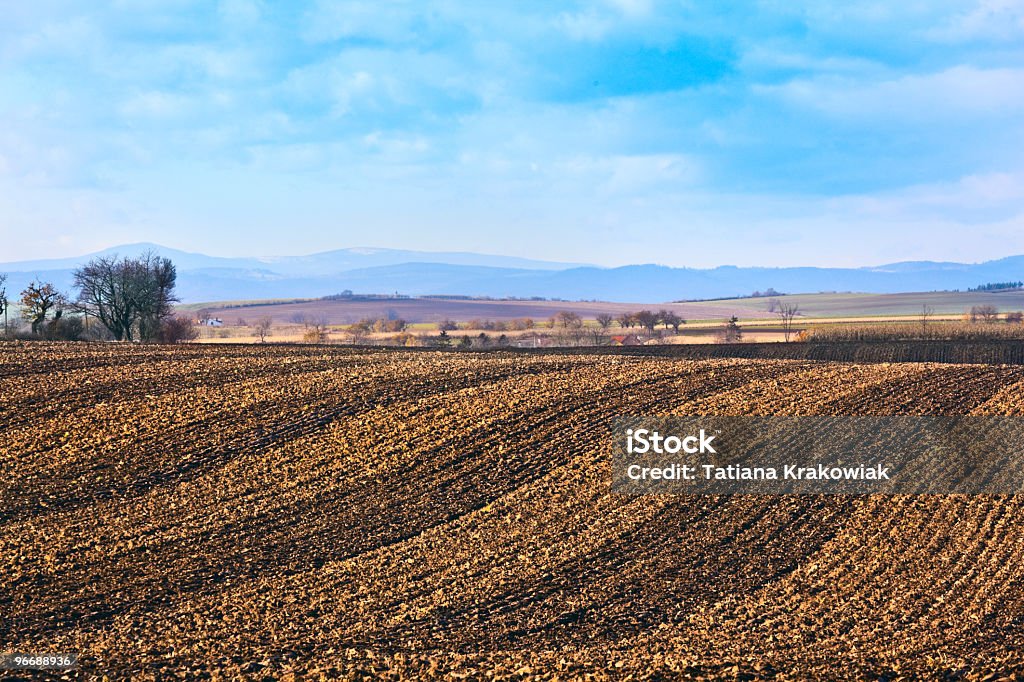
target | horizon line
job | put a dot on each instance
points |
(571, 264)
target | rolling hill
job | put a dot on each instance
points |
(416, 273)
(312, 512)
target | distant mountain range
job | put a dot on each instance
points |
(418, 273)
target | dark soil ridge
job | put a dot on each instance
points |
(951, 352)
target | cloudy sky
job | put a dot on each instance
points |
(779, 132)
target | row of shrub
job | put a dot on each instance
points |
(76, 327)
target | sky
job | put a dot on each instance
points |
(782, 132)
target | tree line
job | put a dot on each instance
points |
(998, 286)
(643, 319)
(126, 299)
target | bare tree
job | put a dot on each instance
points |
(3, 299)
(984, 313)
(316, 332)
(626, 320)
(926, 312)
(670, 319)
(646, 319)
(569, 319)
(131, 297)
(359, 333)
(37, 300)
(605, 320)
(263, 327)
(155, 278)
(395, 325)
(787, 311)
(178, 329)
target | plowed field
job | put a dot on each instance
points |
(300, 512)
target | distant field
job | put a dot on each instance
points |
(431, 310)
(417, 310)
(946, 303)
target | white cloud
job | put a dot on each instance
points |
(73, 35)
(595, 21)
(240, 13)
(396, 146)
(970, 198)
(586, 25)
(345, 88)
(761, 57)
(292, 158)
(630, 173)
(1001, 20)
(946, 94)
(157, 104)
(388, 22)
(374, 80)
(632, 8)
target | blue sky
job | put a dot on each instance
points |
(624, 131)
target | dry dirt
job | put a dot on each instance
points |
(311, 513)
